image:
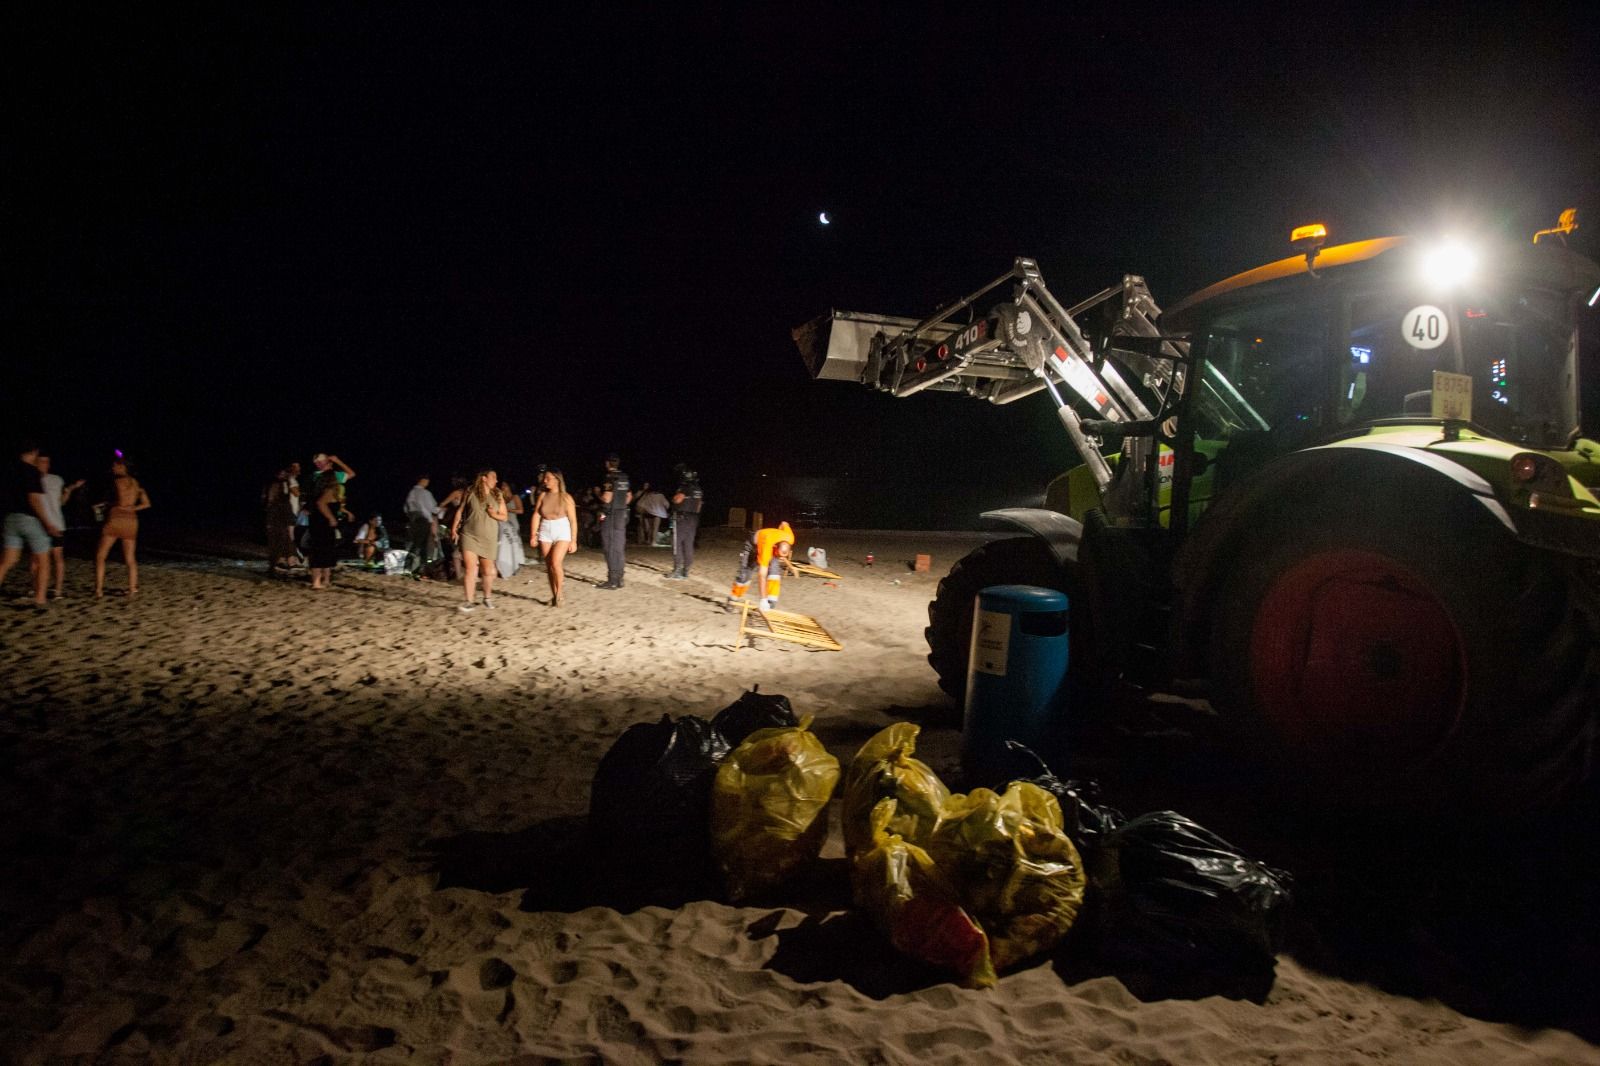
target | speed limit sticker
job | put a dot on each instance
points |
(1425, 327)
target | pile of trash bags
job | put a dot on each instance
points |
(973, 884)
(651, 803)
(1169, 894)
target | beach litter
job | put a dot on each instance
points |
(1170, 896)
(753, 710)
(974, 883)
(649, 808)
(768, 808)
(930, 865)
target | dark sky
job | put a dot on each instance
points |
(426, 238)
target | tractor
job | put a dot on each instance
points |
(1345, 496)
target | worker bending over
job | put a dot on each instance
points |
(763, 554)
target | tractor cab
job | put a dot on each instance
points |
(1394, 336)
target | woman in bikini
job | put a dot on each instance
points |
(555, 525)
(128, 498)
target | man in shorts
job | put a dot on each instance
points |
(27, 523)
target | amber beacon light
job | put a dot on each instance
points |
(1309, 239)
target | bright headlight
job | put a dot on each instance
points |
(1449, 264)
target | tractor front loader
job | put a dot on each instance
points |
(1347, 494)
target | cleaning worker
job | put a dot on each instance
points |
(763, 554)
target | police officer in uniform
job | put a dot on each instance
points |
(686, 504)
(615, 496)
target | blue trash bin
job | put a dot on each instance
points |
(1016, 675)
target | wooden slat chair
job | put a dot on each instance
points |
(795, 628)
(795, 569)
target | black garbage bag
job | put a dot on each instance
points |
(1174, 896)
(650, 812)
(1167, 895)
(753, 711)
(1084, 816)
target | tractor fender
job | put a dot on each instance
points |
(1347, 468)
(1060, 533)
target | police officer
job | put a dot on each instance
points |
(615, 496)
(686, 504)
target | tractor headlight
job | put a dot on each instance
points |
(1449, 264)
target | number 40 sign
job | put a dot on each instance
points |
(1425, 327)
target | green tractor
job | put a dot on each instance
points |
(1346, 495)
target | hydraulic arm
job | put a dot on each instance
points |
(1003, 349)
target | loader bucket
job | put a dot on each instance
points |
(835, 346)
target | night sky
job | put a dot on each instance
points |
(428, 238)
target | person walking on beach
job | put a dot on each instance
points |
(555, 524)
(128, 498)
(615, 496)
(686, 504)
(56, 495)
(322, 538)
(422, 526)
(27, 522)
(652, 508)
(477, 527)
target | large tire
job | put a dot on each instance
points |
(1410, 655)
(1014, 561)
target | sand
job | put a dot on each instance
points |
(251, 823)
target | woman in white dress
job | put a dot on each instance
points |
(510, 557)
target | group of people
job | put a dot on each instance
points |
(480, 518)
(310, 520)
(34, 500)
(475, 533)
(483, 519)
(616, 496)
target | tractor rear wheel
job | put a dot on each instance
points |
(1413, 656)
(1014, 561)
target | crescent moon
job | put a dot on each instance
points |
(824, 219)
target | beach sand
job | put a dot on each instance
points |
(246, 822)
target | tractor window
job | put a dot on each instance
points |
(1384, 377)
(1522, 357)
(1272, 356)
(1518, 351)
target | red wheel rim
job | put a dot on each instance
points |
(1352, 657)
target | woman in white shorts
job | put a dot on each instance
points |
(555, 517)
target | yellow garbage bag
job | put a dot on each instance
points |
(884, 769)
(768, 807)
(898, 884)
(1013, 868)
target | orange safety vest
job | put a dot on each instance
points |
(767, 540)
